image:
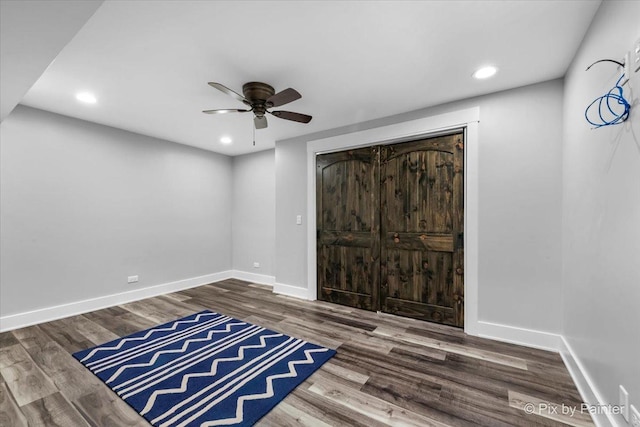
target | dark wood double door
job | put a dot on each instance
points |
(390, 228)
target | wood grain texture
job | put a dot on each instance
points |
(52, 411)
(287, 415)
(10, 413)
(453, 348)
(422, 218)
(22, 376)
(372, 407)
(56, 363)
(388, 370)
(390, 228)
(348, 227)
(102, 407)
(7, 339)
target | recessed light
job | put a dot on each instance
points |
(485, 72)
(226, 140)
(86, 97)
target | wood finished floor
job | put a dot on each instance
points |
(388, 370)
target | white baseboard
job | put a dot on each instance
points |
(520, 336)
(262, 279)
(292, 291)
(585, 385)
(48, 314)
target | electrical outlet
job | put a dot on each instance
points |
(627, 66)
(299, 219)
(623, 400)
(132, 279)
(635, 417)
(256, 265)
(636, 56)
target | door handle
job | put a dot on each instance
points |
(459, 299)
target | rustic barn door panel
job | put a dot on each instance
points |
(422, 225)
(348, 220)
(390, 228)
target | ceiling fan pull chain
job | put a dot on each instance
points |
(254, 135)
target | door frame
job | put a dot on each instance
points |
(428, 127)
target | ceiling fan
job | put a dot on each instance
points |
(260, 97)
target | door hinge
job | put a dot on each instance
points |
(460, 243)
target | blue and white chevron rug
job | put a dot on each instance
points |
(204, 370)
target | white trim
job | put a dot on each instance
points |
(520, 336)
(471, 231)
(21, 320)
(292, 291)
(588, 391)
(262, 279)
(399, 132)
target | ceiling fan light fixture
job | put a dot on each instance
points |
(226, 140)
(485, 72)
(86, 97)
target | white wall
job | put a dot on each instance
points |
(291, 201)
(601, 207)
(253, 212)
(83, 206)
(520, 147)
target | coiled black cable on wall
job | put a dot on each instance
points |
(612, 107)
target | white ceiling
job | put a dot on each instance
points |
(148, 62)
(32, 33)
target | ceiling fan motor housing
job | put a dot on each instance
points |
(258, 93)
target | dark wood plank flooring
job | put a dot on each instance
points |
(388, 370)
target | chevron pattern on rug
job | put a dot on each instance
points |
(206, 369)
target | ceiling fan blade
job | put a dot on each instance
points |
(260, 122)
(230, 92)
(288, 115)
(231, 110)
(284, 97)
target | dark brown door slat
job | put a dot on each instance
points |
(348, 226)
(340, 238)
(420, 241)
(422, 199)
